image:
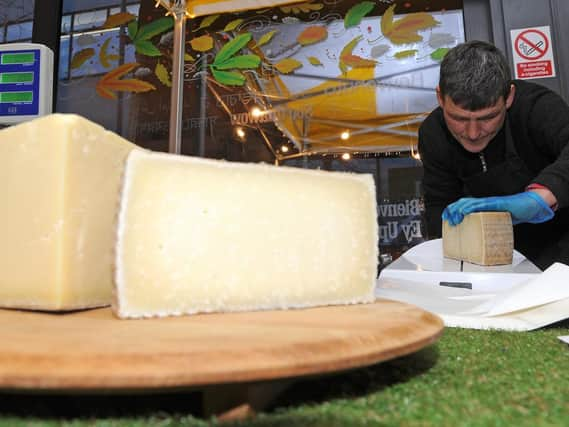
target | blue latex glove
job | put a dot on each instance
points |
(524, 207)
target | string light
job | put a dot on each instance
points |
(345, 135)
(415, 153)
(284, 149)
(256, 112)
(240, 133)
(346, 156)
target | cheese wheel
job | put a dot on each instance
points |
(198, 235)
(484, 238)
(60, 177)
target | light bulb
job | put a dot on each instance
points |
(256, 112)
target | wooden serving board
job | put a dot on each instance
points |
(93, 350)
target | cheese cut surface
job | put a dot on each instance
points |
(199, 235)
(59, 179)
(484, 238)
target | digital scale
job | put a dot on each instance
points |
(26, 82)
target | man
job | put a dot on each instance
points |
(496, 144)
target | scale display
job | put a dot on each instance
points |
(26, 76)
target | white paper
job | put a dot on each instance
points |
(511, 301)
(564, 338)
(550, 286)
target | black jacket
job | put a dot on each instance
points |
(537, 124)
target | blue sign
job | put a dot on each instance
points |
(19, 82)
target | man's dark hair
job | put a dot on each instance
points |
(474, 75)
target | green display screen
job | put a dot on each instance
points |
(18, 58)
(9, 97)
(16, 77)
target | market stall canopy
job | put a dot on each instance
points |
(208, 7)
(342, 115)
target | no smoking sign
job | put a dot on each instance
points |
(533, 56)
(531, 44)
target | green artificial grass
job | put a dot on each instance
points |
(467, 378)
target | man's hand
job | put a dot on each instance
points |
(524, 207)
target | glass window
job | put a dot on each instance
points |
(64, 57)
(97, 53)
(92, 47)
(16, 18)
(19, 32)
(133, 9)
(65, 24)
(319, 84)
(89, 20)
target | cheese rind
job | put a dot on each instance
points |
(484, 238)
(60, 178)
(197, 235)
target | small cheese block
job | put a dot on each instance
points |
(199, 235)
(60, 177)
(484, 238)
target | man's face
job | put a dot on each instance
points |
(475, 129)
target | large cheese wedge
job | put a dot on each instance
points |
(59, 180)
(198, 235)
(484, 238)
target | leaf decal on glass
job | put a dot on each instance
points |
(111, 82)
(226, 60)
(146, 32)
(232, 47)
(146, 47)
(188, 57)
(267, 37)
(132, 29)
(241, 62)
(405, 53)
(233, 25)
(230, 78)
(80, 57)
(104, 57)
(84, 40)
(441, 39)
(386, 24)
(439, 54)
(348, 59)
(118, 19)
(379, 50)
(141, 36)
(202, 44)
(405, 29)
(357, 12)
(314, 61)
(287, 65)
(207, 21)
(302, 7)
(163, 75)
(356, 61)
(312, 35)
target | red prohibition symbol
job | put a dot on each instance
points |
(531, 44)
